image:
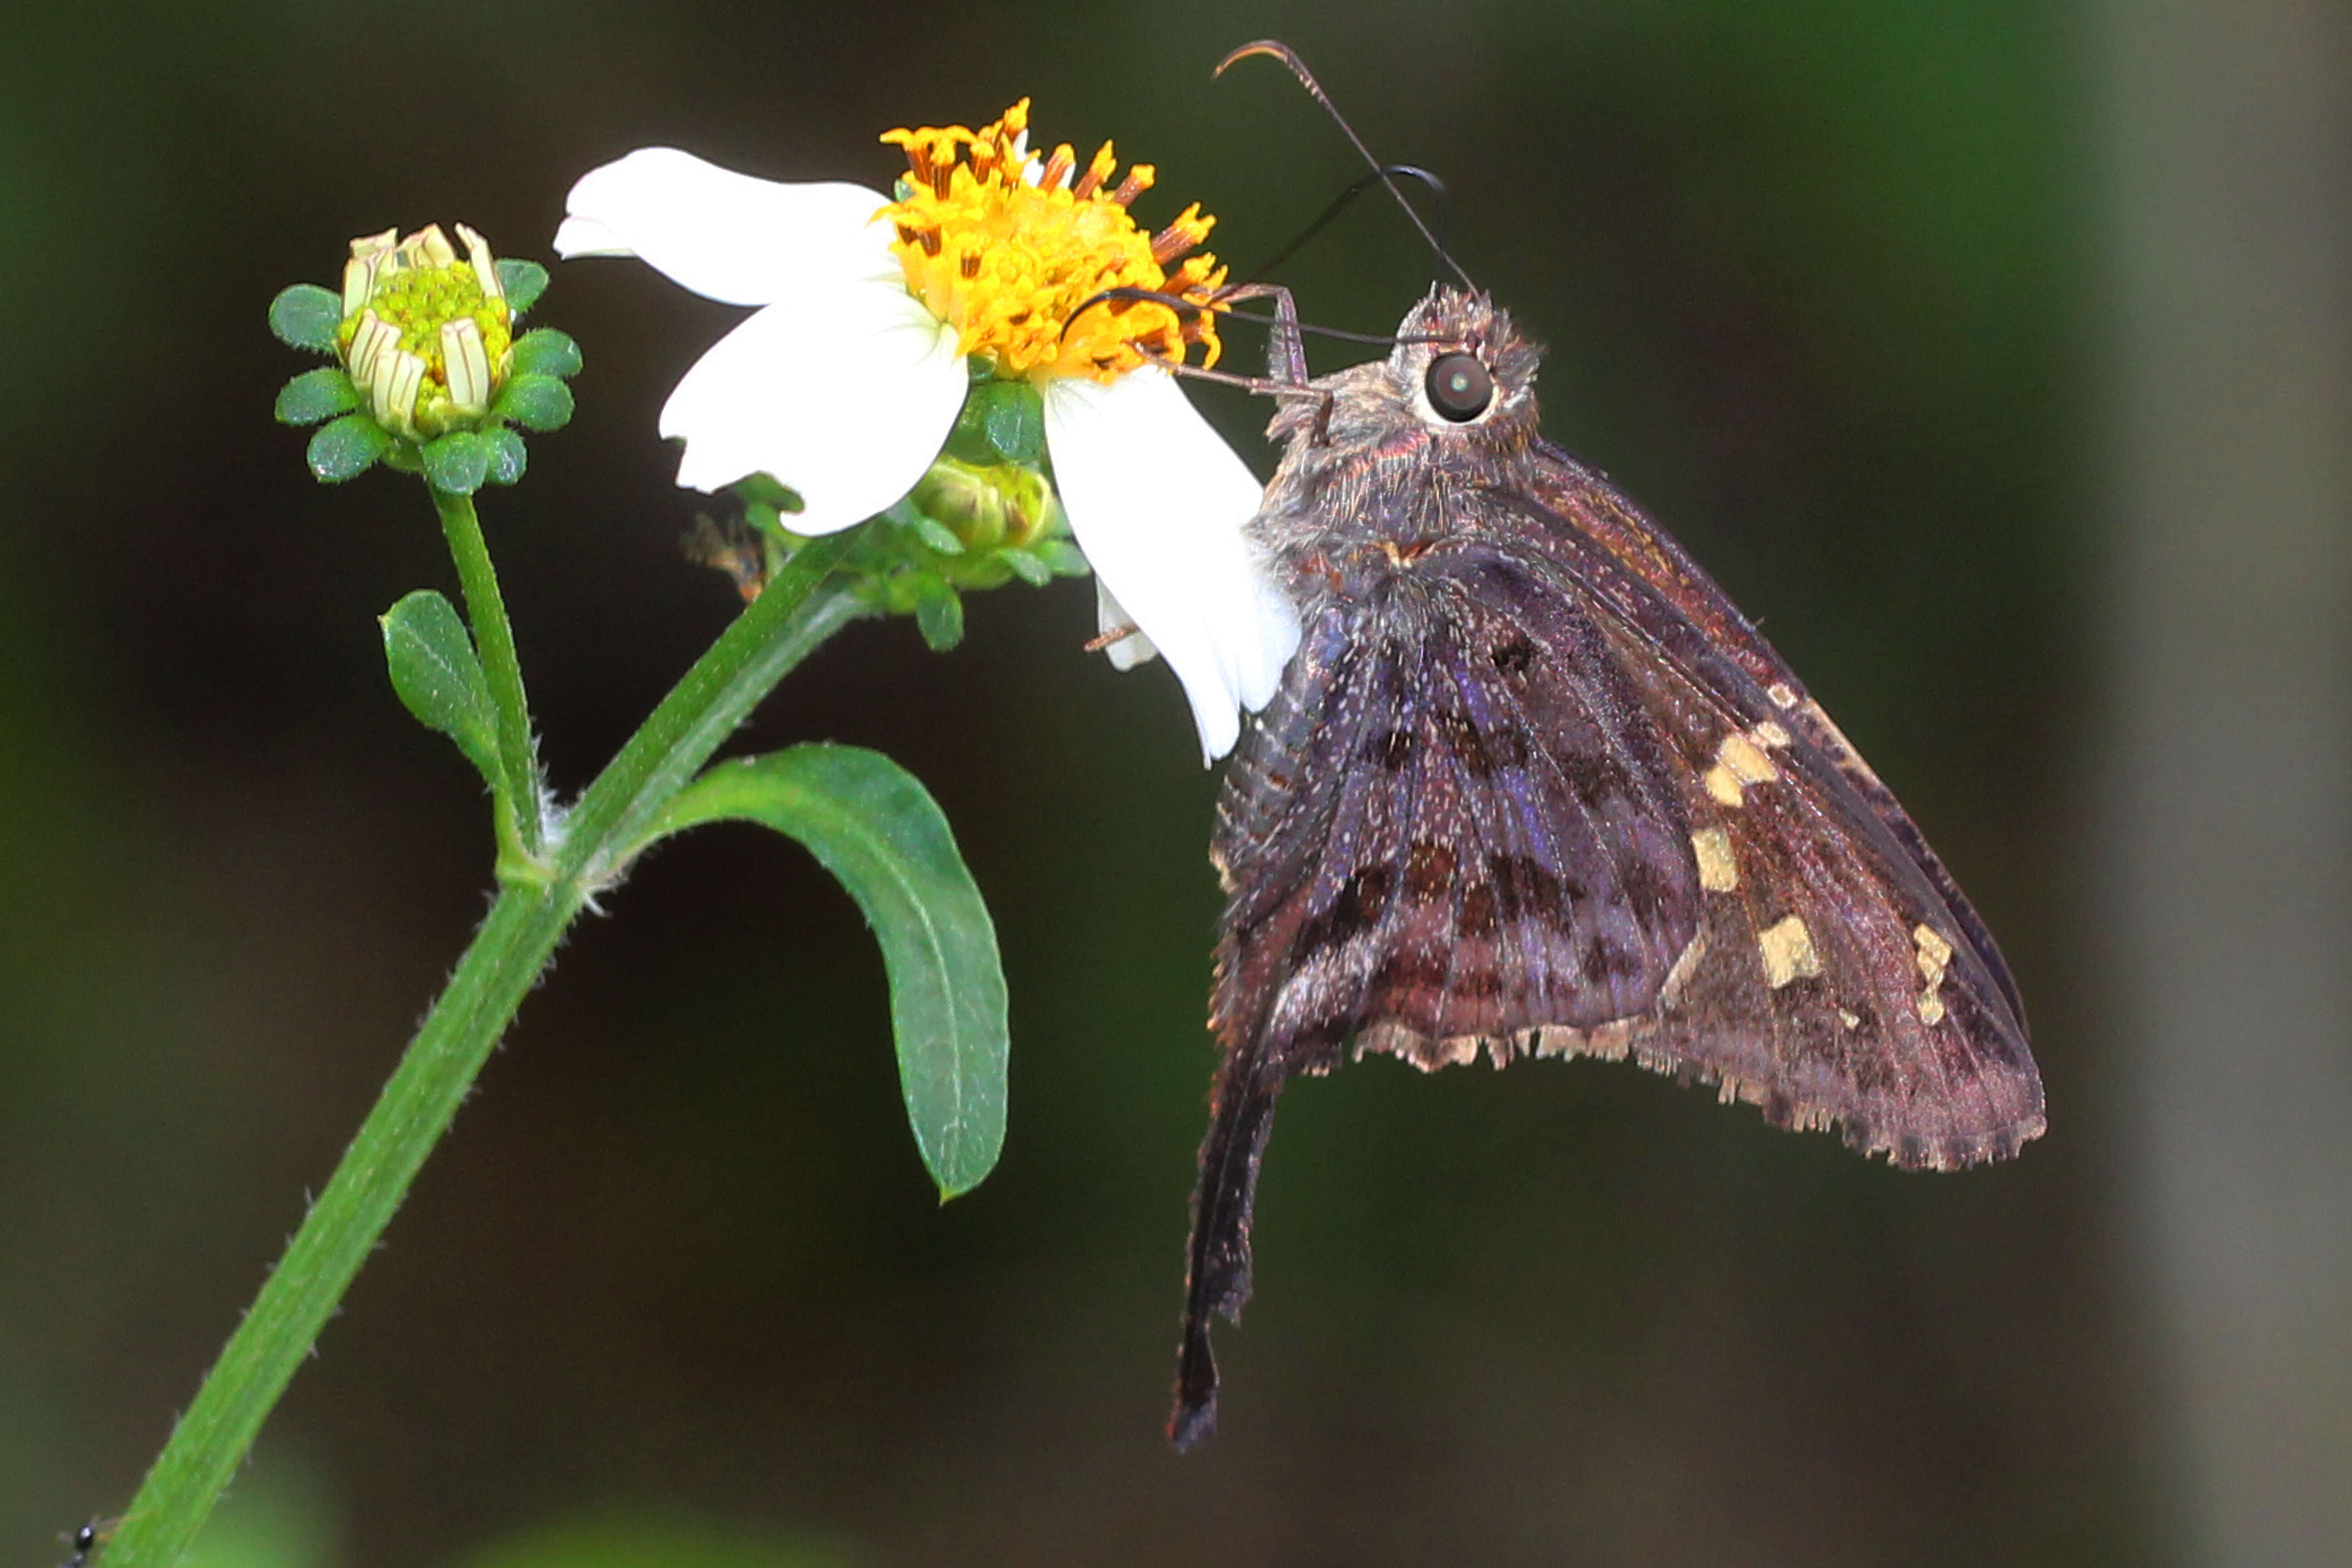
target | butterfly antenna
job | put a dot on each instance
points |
(1341, 203)
(1275, 49)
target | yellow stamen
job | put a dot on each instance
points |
(1139, 180)
(1097, 173)
(1004, 248)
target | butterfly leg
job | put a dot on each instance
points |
(1286, 351)
(1285, 347)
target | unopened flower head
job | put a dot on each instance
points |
(427, 338)
(988, 505)
(1005, 250)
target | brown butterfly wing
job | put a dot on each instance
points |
(1541, 789)
(1843, 978)
(1447, 830)
(1574, 497)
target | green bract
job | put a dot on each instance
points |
(965, 525)
(431, 375)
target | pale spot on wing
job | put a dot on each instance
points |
(1746, 760)
(1670, 995)
(1789, 955)
(1740, 762)
(1781, 693)
(1718, 872)
(1768, 734)
(1935, 957)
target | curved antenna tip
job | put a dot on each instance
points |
(1273, 48)
(1277, 49)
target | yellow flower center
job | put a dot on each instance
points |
(1006, 258)
(428, 337)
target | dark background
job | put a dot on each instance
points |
(1876, 305)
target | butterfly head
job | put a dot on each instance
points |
(1462, 366)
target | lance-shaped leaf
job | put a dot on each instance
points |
(873, 825)
(438, 676)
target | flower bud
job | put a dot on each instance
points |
(987, 506)
(427, 338)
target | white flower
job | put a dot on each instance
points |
(847, 380)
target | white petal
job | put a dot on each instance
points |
(729, 236)
(466, 362)
(846, 398)
(1158, 502)
(1110, 616)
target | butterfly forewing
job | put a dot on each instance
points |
(1578, 505)
(1832, 982)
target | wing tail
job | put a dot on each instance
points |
(1218, 1277)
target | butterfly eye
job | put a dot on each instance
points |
(1460, 387)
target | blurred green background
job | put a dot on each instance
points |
(1880, 307)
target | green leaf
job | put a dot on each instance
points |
(547, 351)
(438, 677)
(522, 281)
(536, 403)
(306, 317)
(508, 454)
(458, 462)
(349, 446)
(939, 612)
(317, 395)
(874, 826)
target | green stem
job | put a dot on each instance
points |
(800, 609)
(522, 827)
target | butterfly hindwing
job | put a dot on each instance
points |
(1474, 837)
(1443, 834)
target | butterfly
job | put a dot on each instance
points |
(1532, 786)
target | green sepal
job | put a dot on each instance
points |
(345, 448)
(508, 454)
(439, 678)
(306, 316)
(938, 535)
(1001, 421)
(458, 462)
(1026, 565)
(1061, 557)
(404, 458)
(546, 351)
(1017, 422)
(766, 489)
(939, 612)
(522, 282)
(875, 828)
(535, 402)
(316, 395)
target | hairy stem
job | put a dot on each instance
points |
(800, 609)
(522, 824)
